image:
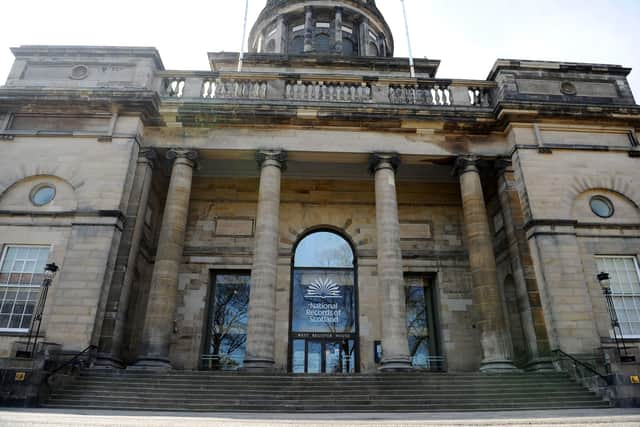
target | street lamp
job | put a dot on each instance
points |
(605, 284)
(50, 271)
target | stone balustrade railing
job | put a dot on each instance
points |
(319, 89)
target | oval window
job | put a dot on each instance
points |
(601, 206)
(43, 194)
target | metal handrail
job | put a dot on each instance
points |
(73, 359)
(581, 363)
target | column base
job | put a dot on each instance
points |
(540, 364)
(498, 366)
(151, 364)
(396, 364)
(108, 361)
(258, 365)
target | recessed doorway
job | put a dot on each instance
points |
(324, 319)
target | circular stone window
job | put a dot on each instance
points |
(601, 206)
(43, 194)
(568, 88)
(79, 72)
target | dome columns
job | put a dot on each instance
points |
(324, 27)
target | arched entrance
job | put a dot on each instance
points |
(323, 314)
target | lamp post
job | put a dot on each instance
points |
(50, 271)
(605, 284)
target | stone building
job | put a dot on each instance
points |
(320, 211)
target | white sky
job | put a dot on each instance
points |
(467, 35)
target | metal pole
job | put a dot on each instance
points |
(406, 27)
(40, 312)
(244, 34)
(614, 320)
(603, 278)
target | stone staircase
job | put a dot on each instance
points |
(399, 392)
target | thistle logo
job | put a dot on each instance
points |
(323, 289)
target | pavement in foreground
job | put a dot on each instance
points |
(75, 418)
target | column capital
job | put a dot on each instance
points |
(148, 156)
(466, 164)
(379, 161)
(503, 165)
(276, 158)
(189, 156)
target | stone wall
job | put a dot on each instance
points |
(565, 236)
(81, 225)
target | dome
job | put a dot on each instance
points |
(321, 27)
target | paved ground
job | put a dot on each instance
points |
(581, 418)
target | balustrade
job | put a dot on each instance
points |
(234, 88)
(479, 97)
(432, 94)
(174, 87)
(328, 91)
(418, 94)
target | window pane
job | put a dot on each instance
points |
(20, 284)
(227, 327)
(419, 321)
(324, 249)
(298, 356)
(625, 288)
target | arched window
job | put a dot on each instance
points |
(323, 305)
(324, 249)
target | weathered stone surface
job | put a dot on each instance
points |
(260, 353)
(159, 322)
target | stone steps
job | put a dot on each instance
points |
(224, 392)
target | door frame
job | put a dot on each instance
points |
(310, 336)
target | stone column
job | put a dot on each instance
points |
(110, 345)
(494, 334)
(158, 326)
(308, 29)
(526, 285)
(260, 353)
(338, 31)
(395, 344)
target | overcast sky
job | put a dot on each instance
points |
(466, 35)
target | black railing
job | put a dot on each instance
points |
(584, 365)
(73, 360)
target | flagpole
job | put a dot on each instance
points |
(406, 27)
(244, 35)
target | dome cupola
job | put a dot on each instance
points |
(321, 27)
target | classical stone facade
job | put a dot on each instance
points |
(475, 214)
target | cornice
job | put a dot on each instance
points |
(50, 101)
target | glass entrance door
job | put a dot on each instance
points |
(324, 356)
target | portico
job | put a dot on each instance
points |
(385, 205)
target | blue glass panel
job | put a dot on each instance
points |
(314, 357)
(323, 301)
(298, 356)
